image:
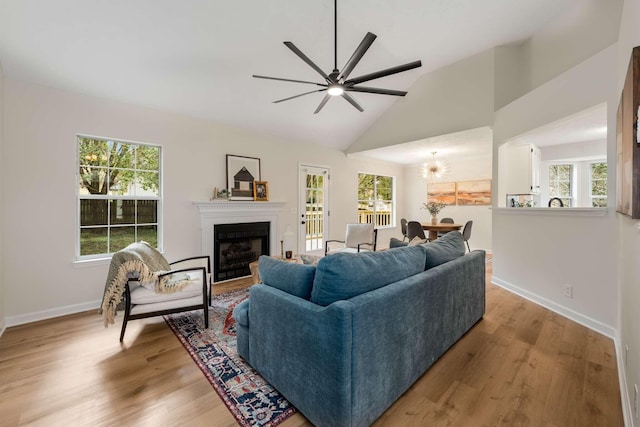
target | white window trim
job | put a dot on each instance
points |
(97, 259)
(393, 199)
(591, 196)
(572, 181)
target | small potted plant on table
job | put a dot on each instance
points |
(434, 209)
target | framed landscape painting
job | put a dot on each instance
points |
(241, 173)
(474, 192)
(443, 192)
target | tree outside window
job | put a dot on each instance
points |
(561, 183)
(118, 195)
(376, 200)
(599, 185)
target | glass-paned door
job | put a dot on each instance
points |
(313, 211)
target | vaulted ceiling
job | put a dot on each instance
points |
(196, 57)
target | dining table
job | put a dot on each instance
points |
(440, 227)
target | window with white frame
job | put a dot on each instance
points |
(119, 188)
(561, 183)
(598, 178)
(376, 200)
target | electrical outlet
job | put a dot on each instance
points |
(567, 290)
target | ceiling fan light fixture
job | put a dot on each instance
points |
(337, 83)
(335, 90)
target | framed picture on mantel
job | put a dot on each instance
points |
(261, 191)
(627, 143)
(241, 173)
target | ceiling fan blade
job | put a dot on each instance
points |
(306, 59)
(384, 73)
(287, 80)
(324, 101)
(357, 55)
(352, 101)
(375, 90)
(297, 96)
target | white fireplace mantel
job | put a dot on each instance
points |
(237, 212)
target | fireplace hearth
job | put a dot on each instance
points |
(236, 246)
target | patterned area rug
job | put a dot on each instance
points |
(251, 400)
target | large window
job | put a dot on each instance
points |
(118, 195)
(598, 185)
(376, 200)
(561, 183)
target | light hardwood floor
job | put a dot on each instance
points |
(522, 365)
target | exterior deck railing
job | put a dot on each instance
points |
(315, 221)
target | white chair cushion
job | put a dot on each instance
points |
(349, 250)
(167, 305)
(143, 295)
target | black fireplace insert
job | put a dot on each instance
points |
(236, 246)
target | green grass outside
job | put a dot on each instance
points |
(93, 241)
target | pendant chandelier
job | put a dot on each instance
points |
(435, 170)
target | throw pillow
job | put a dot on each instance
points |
(417, 241)
(289, 277)
(310, 259)
(344, 275)
(396, 243)
(443, 249)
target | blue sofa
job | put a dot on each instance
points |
(344, 339)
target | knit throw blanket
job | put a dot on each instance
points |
(139, 260)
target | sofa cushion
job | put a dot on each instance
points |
(443, 249)
(289, 277)
(343, 275)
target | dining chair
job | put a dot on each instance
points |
(403, 228)
(445, 220)
(466, 233)
(414, 228)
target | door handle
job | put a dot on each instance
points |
(303, 222)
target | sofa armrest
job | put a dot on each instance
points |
(406, 326)
(304, 351)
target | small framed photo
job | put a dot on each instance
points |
(261, 191)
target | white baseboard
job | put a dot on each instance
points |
(557, 308)
(627, 409)
(54, 312)
(3, 327)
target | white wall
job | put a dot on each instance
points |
(454, 98)
(2, 225)
(40, 203)
(463, 169)
(628, 232)
(536, 253)
(588, 26)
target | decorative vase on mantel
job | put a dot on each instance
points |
(434, 220)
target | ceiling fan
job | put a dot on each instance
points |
(337, 83)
